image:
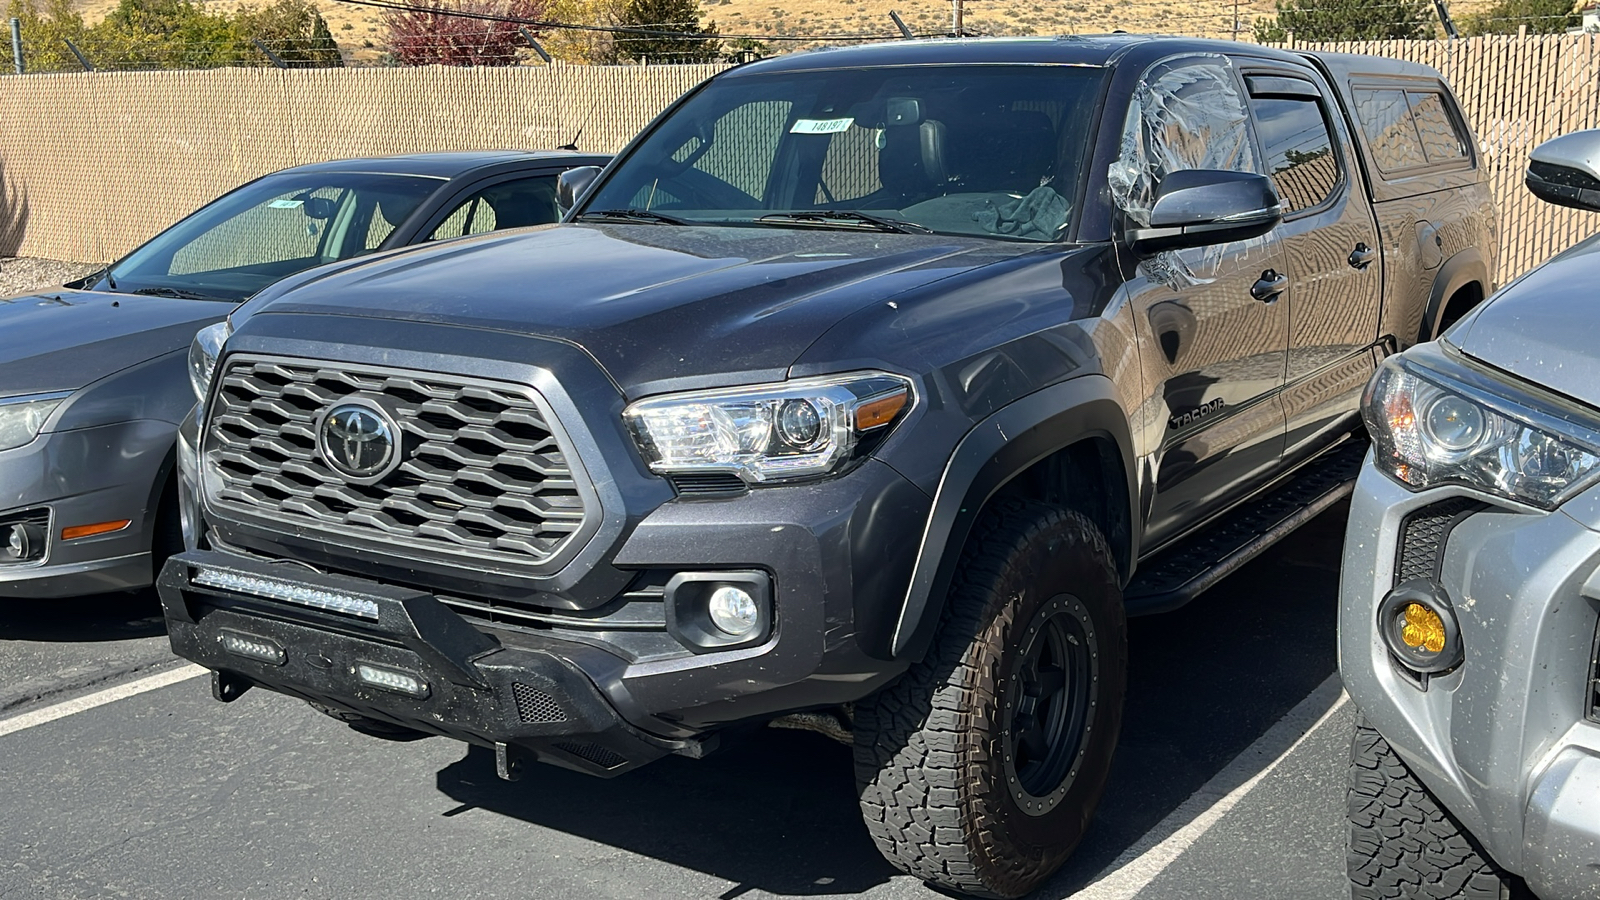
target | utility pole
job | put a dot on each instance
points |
(16, 45)
(957, 18)
(1236, 19)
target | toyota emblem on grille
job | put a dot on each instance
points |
(359, 441)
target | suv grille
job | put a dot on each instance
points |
(1423, 535)
(482, 476)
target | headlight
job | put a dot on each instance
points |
(22, 417)
(203, 355)
(1436, 419)
(774, 432)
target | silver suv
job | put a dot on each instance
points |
(1471, 585)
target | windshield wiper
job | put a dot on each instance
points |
(843, 218)
(176, 293)
(633, 215)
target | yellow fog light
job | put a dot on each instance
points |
(1418, 624)
(1422, 629)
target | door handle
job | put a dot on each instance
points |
(1269, 286)
(1362, 256)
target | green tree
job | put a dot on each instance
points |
(1504, 17)
(46, 28)
(171, 34)
(294, 30)
(688, 42)
(1347, 20)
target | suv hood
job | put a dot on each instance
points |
(64, 339)
(657, 305)
(1542, 328)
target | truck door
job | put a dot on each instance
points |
(1330, 241)
(1212, 327)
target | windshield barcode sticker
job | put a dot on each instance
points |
(286, 204)
(820, 126)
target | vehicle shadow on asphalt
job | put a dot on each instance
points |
(776, 812)
(104, 617)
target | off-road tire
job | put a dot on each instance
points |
(373, 727)
(166, 539)
(931, 748)
(1403, 844)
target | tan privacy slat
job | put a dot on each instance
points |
(92, 164)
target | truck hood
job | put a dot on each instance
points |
(63, 340)
(1543, 327)
(657, 306)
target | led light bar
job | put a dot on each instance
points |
(315, 598)
(391, 680)
(252, 647)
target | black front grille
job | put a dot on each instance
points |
(483, 477)
(711, 484)
(1423, 535)
(600, 756)
(535, 706)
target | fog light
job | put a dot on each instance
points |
(733, 611)
(1419, 626)
(24, 542)
(252, 647)
(392, 680)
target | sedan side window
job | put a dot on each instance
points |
(508, 204)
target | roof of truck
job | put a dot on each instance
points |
(1094, 49)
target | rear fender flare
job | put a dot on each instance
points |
(1465, 268)
(999, 448)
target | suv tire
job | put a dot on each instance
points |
(980, 768)
(1403, 844)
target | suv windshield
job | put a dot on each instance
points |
(267, 230)
(994, 151)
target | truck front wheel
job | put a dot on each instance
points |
(980, 768)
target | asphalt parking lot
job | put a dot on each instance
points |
(123, 778)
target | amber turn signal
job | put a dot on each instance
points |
(83, 531)
(880, 412)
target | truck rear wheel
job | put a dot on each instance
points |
(980, 768)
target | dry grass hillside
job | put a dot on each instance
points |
(360, 32)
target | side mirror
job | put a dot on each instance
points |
(1200, 207)
(1566, 170)
(572, 184)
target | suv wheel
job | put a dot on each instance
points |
(1402, 843)
(980, 768)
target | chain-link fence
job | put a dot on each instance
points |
(93, 163)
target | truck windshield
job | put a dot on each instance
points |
(993, 151)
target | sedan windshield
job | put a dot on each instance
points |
(994, 151)
(267, 230)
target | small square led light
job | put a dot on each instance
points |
(392, 680)
(252, 646)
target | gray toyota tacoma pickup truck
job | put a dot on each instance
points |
(872, 388)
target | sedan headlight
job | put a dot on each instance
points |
(773, 432)
(21, 418)
(203, 355)
(1436, 419)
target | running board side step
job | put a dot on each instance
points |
(1180, 573)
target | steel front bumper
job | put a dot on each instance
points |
(87, 476)
(1503, 741)
(539, 700)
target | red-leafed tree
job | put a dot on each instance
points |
(428, 34)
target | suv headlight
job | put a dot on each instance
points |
(1437, 419)
(203, 355)
(772, 432)
(21, 418)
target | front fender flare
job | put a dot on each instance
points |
(1458, 271)
(999, 448)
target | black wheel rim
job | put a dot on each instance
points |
(1050, 696)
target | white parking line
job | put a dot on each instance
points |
(99, 698)
(1131, 872)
